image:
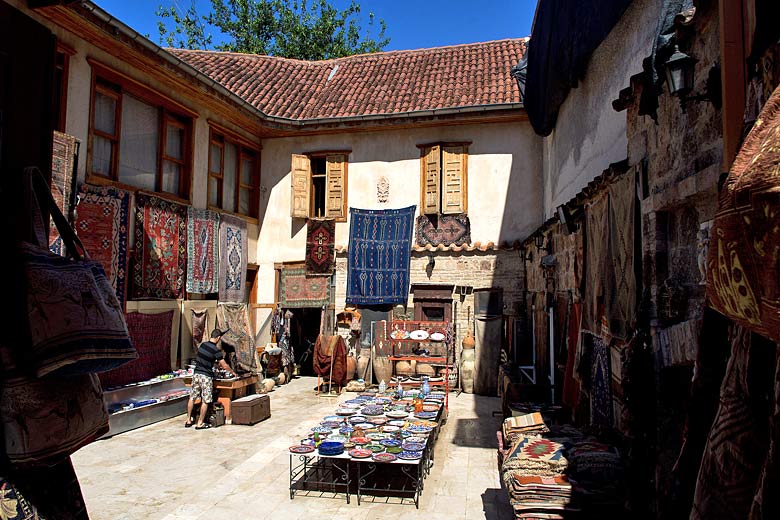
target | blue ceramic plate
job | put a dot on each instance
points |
(322, 429)
(411, 446)
(358, 419)
(390, 442)
(426, 415)
(333, 418)
(330, 424)
(345, 430)
(410, 455)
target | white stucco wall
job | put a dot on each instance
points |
(504, 184)
(589, 134)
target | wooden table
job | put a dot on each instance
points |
(227, 390)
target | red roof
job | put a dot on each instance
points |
(393, 82)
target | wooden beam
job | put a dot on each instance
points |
(733, 76)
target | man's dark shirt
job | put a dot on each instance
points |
(208, 354)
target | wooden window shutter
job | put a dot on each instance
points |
(431, 173)
(454, 159)
(336, 195)
(301, 186)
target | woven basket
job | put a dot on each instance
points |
(405, 368)
(424, 369)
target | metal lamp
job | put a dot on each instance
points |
(679, 73)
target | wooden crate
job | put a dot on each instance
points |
(251, 409)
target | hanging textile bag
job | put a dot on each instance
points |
(743, 277)
(76, 324)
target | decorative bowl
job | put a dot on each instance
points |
(410, 455)
(331, 448)
(376, 448)
(384, 457)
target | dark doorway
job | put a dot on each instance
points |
(304, 329)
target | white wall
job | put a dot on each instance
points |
(504, 184)
(589, 133)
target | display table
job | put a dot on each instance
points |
(225, 390)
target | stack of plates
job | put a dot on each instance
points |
(331, 448)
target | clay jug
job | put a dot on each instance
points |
(362, 363)
(468, 342)
(351, 367)
(467, 370)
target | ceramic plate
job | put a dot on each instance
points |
(363, 426)
(344, 430)
(399, 334)
(360, 453)
(346, 411)
(410, 455)
(384, 457)
(375, 448)
(417, 439)
(376, 436)
(437, 336)
(301, 448)
(395, 450)
(333, 418)
(416, 428)
(390, 442)
(349, 445)
(411, 446)
(322, 429)
(355, 419)
(425, 415)
(337, 438)
(360, 440)
(351, 406)
(400, 424)
(390, 428)
(379, 421)
(330, 424)
(397, 414)
(431, 408)
(419, 335)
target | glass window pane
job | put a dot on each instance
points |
(229, 180)
(138, 143)
(216, 158)
(101, 155)
(243, 202)
(247, 173)
(213, 192)
(105, 113)
(174, 142)
(171, 175)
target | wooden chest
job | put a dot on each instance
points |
(251, 409)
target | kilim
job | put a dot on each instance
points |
(232, 259)
(202, 250)
(235, 317)
(601, 383)
(199, 321)
(596, 235)
(448, 230)
(620, 283)
(160, 262)
(297, 290)
(151, 335)
(320, 240)
(380, 244)
(102, 226)
(744, 247)
(62, 172)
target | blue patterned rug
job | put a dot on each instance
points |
(380, 244)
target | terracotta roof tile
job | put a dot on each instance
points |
(368, 84)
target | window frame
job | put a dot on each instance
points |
(244, 149)
(112, 83)
(441, 177)
(324, 154)
(60, 91)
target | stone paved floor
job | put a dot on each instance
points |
(165, 471)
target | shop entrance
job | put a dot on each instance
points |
(304, 329)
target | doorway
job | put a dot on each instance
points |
(304, 329)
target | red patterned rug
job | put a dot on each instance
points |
(298, 290)
(160, 263)
(202, 250)
(101, 224)
(444, 230)
(151, 335)
(320, 240)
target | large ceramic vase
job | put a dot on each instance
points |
(351, 367)
(362, 363)
(383, 368)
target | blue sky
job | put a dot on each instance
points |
(411, 24)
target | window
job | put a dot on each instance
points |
(319, 185)
(60, 91)
(432, 302)
(444, 178)
(234, 176)
(138, 142)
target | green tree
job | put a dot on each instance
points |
(288, 28)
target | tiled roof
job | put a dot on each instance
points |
(393, 82)
(476, 246)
